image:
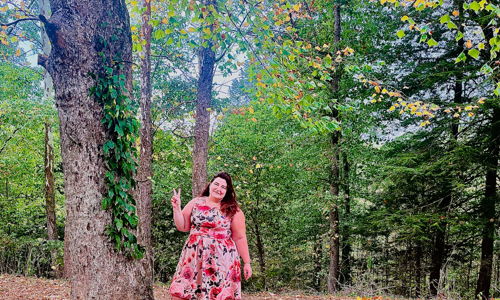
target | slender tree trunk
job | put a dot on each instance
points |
(144, 189)
(318, 253)
(334, 268)
(50, 199)
(261, 254)
(418, 270)
(487, 207)
(83, 33)
(48, 89)
(346, 244)
(204, 101)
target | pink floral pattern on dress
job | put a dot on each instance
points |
(209, 267)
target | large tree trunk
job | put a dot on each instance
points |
(78, 31)
(334, 268)
(204, 100)
(488, 203)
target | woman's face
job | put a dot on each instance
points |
(218, 188)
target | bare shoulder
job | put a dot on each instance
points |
(196, 200)
(239, 215)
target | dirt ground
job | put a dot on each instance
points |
(30, 288)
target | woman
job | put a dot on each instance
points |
(209, 267)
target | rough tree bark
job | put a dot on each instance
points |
(334, 268)
(79, 30)
(203, 102)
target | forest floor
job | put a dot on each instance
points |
(14, 287)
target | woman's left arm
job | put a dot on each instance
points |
(239, 237)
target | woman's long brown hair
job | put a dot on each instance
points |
(228, 205)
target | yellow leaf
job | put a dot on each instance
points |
(206, 30)
(251, 171)
(258, 166)
(18, 52)
(164, 21)
(456, 115)
(404, 18)
(392, 108)
(480, 101)
(373, 101)
(245, 24)
(191, 29)
(251, 110)
(171, 13)
(455, 13)
(384, 91)
(470, 114)
(377, 89)
(183, 31)
(480, 46)
(219, 158)
(296, 7)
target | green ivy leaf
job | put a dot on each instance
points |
(452, 25)
(432, 42)
(460, 58)
(444, 19)
(474, 53)
(475, 6)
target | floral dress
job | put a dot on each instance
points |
(209, 266)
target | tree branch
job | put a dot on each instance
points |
(20, 20)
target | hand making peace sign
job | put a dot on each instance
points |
(176, 200)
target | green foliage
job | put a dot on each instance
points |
(275, 166)
(120, 155)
